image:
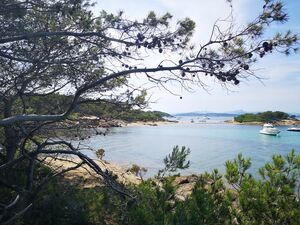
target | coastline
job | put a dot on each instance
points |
(85, 177)
(278, 123)
(150, 123)
(89, 126)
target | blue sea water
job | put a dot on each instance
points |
(211, 144)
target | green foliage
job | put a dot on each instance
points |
(137, 170)
(175, 161)
(139, 115)
(236, 170)
(273, 198)
(100, 153)
(56, 104)
(209, 203)
(235, 198)
(154, 205)
(73, 116)
(65, 204)
(267, 116)
(51, 46)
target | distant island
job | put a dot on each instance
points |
(278, 117)
(193, 114)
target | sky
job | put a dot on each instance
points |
(279, 88)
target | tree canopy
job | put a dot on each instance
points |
(52, 47)
(267, 116)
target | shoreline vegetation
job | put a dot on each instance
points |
(278, 123)
(106, 115)
(92, 122)
(278, 118)
(228, 190)
(230, 198)
(85, 177)
(68, 72)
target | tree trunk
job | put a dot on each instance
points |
(10, 133)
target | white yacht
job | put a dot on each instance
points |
(295, 129)
(269, 129)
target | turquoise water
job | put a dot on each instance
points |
(211, 145)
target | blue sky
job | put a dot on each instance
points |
(280, 89)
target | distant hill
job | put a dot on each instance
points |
(295, 114)
(237, 112)
(225, 114)
(205, 114)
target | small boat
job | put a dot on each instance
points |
(269, 129)
(295, 129)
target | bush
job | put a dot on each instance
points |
(234, 198)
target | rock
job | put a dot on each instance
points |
(184, 181)
(184, 191)
(87, 178)
(185, 186)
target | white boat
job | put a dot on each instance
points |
(295, 129)
(269, 129)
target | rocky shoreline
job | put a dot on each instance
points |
(85, 177)
(87, 126)
(93, 122)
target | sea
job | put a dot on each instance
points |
(212, 142)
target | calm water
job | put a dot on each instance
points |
(211, 144)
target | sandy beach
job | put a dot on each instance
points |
(151, 123)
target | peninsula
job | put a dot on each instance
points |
(276, 117)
